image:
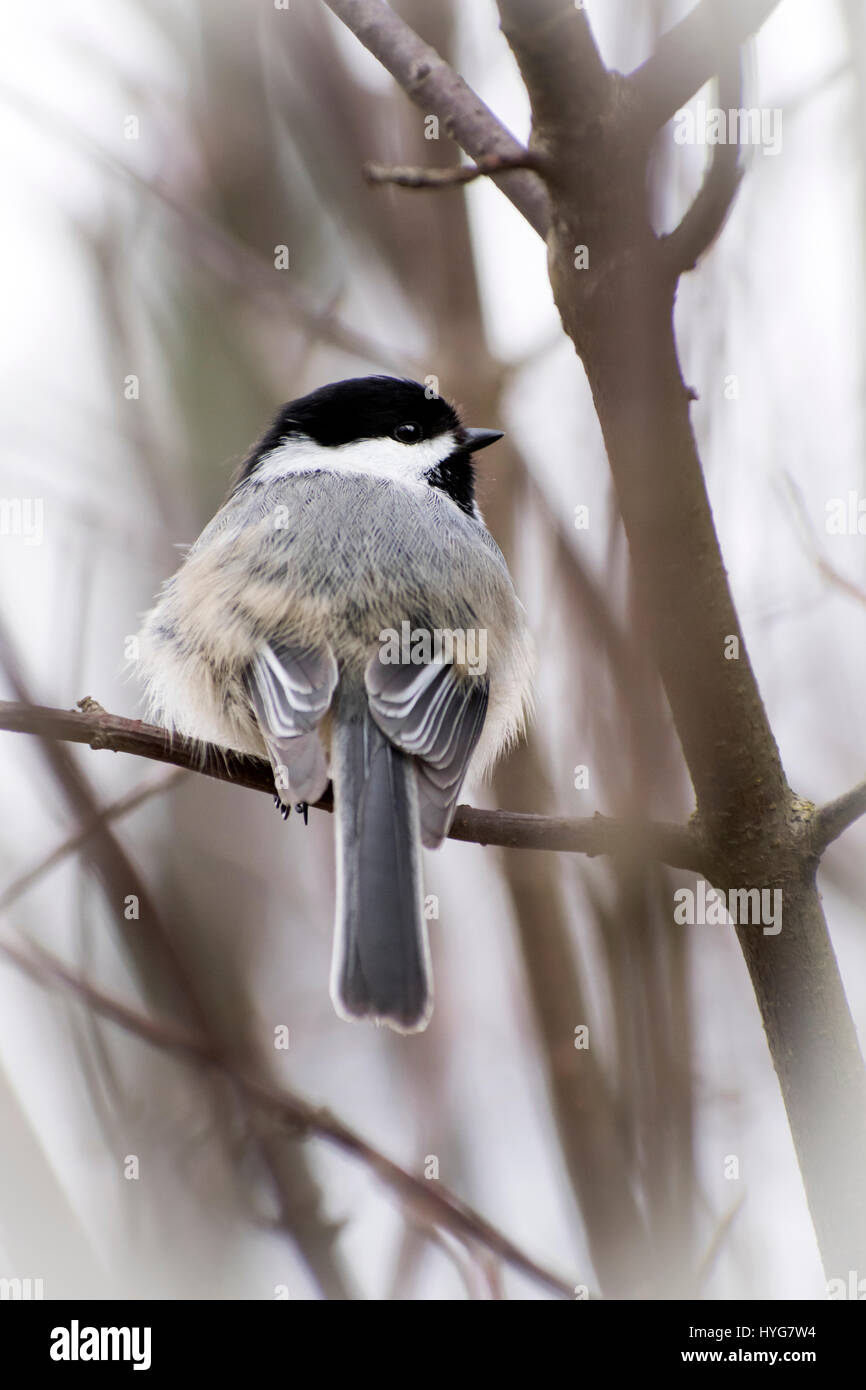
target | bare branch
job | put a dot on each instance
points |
(722, 1231)
(679, 571)
(624, 334)
(708, 213)
(161, 968)
(114, 811)
(438, 90)
(555, 49)
(595, 835)
(812, 546)
(687, 56)
(836, 816)
(433, 1202)
(412, 176)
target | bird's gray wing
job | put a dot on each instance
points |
(435, 716)
(291, 688)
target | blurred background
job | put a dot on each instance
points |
(156, 158)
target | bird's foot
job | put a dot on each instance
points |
(301, 807)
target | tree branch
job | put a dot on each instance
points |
(812, 546)
(704, 220)
(114, 811)
(836, 816)
(413, 176)
(559, 61)
(433, 86)
(619, 312)
(168, 978)
(687, 56)
(678, 846)
(433, 1200)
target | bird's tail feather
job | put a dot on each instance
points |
(381, 966)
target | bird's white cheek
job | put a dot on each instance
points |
(378, 458)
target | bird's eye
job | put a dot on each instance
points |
(409, 433)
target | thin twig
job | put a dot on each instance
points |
(687, 56)
(433, 1201)
(720, 1235)
(171, 985)
(111, 812)
(676, 845)
(413, 176)
(704, 220)
(438, 90)
(811, 544)
(836, 816)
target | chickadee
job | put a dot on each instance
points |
(347, 613)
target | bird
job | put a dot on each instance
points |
(347, 614)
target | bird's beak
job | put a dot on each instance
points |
(479, 439)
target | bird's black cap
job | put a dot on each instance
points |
(363, 407)
(373, 407)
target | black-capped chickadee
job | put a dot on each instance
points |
(347, 613)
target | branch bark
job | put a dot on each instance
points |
(415, 176)
(833, 820)
(433, 86)
(707, 215)
(560, 63)
(676, 845)
(616, 303)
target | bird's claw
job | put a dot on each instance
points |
(301, 807)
